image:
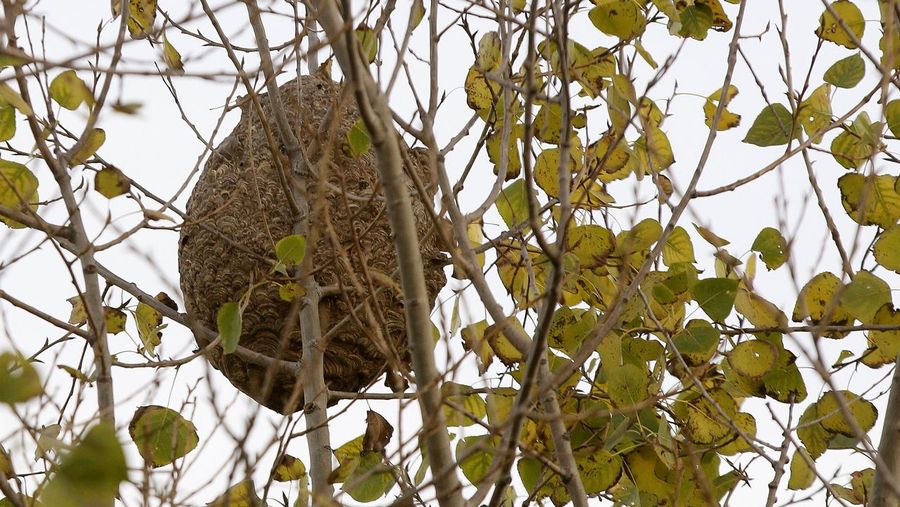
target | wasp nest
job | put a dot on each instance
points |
(240, 209)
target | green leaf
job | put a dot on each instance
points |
(831, 30)
(480, 450)
(711, 237)
(290, 250)
(18, 189)
(358, 140)
(696, 20)
(785, 384)
(892, 115)
(348, 458)
(469, 404)
(802, 475)
(846, 72)
(697, 342)
(884, 346)
(872, 200)
(627, 385)
(512, 203)
(161, 435)
(753, 358)
(69, 91)
(7, 122)
(90, 474)
(19, 382)
(811, 432)
(817, 298)
(111, 182)
(228, 322)
(864, 295)
(772, 247)
(619, 18)
(370, 480)
(863, 412)
(652, 152)
(715, 296)
(772, 127)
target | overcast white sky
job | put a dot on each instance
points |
(158, 149)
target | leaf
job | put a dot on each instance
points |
(289, 469)
(802, 475)
(678, 247)
(90, 473)
(19, 382)
(513, 159)
(473, 339)
(772, 247)
(480, 450)
(811, 432)
(864, 295)
(69, 91)
(772, 127)
(815, 112)
(548, 122)
(831, 30)
(863, 412)
(370, 480)
(759, 311)
(92, 143)
(149, 322)
(142, 14)
(18, 189)
(368, 42)
(228, 324)
(290, 250)
(652, 152)
(599, 471)
(115, 320)
(7, 122)
(870, 200)
(569, 327)
(171, 56)
(711, 237)
(609, 164)
(489, 52)
(695, 20)
(727, 119)
(619, 18)
(697, 342)
(884, 346)
(470, 405)
(5, 463)
(378, 432)
(161, 435)
(850, 150)
(860, 487)
(111, 182)
(737, 443)
(482, 94)
(753, 358)
(703, 423)
(242, 494)
(846, 72)
(417, 13)
(592, 244)
(12, 97)
(512, 203)
(715, 296)
(785, 384)
(627, 385)
(892, 115)
(358, 140)
(817, 298)
(348, 458)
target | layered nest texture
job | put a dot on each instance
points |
(240, 209)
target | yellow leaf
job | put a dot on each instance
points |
(727, 119)
(489, 52)
(115, 320)
(815, 112)
(18, 189)
(111, 182)
(830, 28)
(12, 97)
(142, 14)
(69, 91)
(171, 56)
(94, 141)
